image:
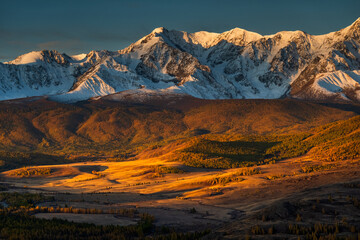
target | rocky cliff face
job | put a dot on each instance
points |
(233, 64)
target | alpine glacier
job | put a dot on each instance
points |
(233, 64)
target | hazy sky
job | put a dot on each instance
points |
(76, 26)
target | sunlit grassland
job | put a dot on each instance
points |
(332, 142)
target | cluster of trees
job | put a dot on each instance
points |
(17, 222)
(276, 176)
(309, 232)
(316, 168)
(324, 231)
(306, 222)
(332, 142)
(126, 212)
(160, 171)
(15, 159)
(27, 227)
(288, 146)
(354, 201)
(28, 172)
(201, 160)
(27, 200)
(222, 180)
(235, 177)
(248, 172)
(22, 226)
(343, 151)
(98, 174)
(257, 230)
(243, 151)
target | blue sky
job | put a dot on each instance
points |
(77, 26)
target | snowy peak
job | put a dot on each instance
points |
(238, 37)
(159, 30)
(27, 58)
(79, 57)
(205, 39)
(353, 31)
(355, 24)
(41, 56)
(233, 64)
(95, 56)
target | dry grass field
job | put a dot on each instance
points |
(252, 169)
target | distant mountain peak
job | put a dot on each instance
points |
(159, 30)
(356, 22)
(27, 58)
(43, 55)
(353, 31)
(233, 64)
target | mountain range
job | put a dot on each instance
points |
(236, 64)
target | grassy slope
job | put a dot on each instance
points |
(42, 131)
(332, 142)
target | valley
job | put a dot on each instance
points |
(164, 120)
(215, 169)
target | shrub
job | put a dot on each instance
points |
(28, 172)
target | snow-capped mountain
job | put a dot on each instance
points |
(233, 64)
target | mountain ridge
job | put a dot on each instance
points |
(229, 65)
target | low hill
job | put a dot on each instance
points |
(109, 128)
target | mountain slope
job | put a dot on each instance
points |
(123, 124)
(125, 119)
(233, 64)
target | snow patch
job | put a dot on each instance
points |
(79, 57)
(27, 58)
(339, 80)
